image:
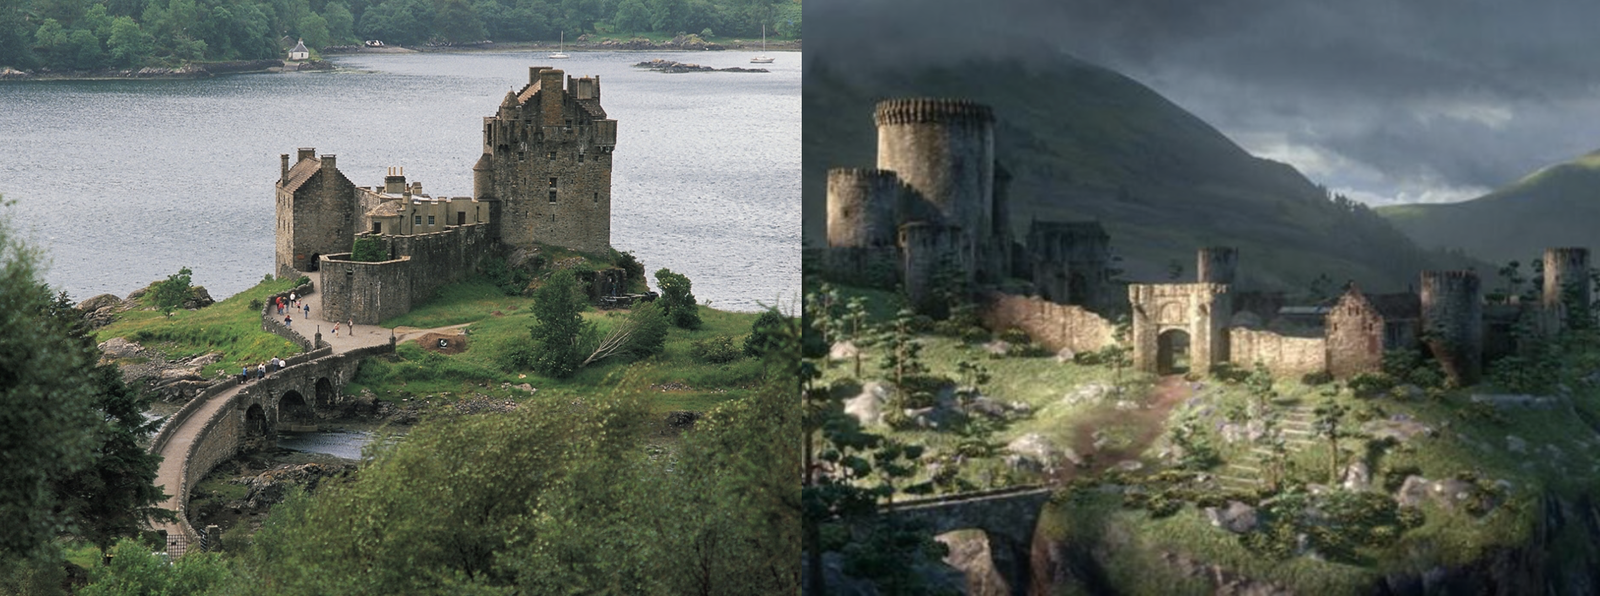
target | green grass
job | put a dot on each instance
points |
(228, 327)
(673, 379)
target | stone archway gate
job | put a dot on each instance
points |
(1202, 310)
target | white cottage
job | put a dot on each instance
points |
(299, 52)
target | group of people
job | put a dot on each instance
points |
(292, 303)
(276, 364)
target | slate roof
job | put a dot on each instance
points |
(301, 172)
(386, 209)
(300, 47)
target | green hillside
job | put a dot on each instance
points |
(1556, 206)
(1084, 142)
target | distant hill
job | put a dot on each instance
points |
(1084, 142)
(1556, 206)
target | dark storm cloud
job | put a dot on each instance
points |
(1386, 97)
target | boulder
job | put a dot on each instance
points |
(1087, 393)
(1400, 427)
(118, 347)
(198, 298)
(1034, 451)
(997, 347)
(99, 302)
(1413, 491)
(843, 350)
(1236, 517)
(867, 406)
(1357, 477)
(1066, 355)
(270, 487)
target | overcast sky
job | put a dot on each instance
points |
(1384, 100)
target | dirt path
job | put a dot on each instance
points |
(1148, 422)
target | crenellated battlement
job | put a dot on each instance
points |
(920, 110)
(1216, 264)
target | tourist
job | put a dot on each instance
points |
(288, 320)
(244, 374)
(308, 310)
(262, 369)
(293, 298)
(279, 302)
(335, 328)
(350, 325)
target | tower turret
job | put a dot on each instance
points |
(928, 250)
(1216, 264)
(862, 206)
(943, 149)
(1566, 282)
(1452, 322)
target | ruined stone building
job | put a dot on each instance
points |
(544, 178)
(1361, 327)
(937, 205)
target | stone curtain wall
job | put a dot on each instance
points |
(440, 258)
(877, 267)
(366, 293)
(1284, 356)
(1052, 325)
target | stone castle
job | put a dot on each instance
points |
(935, 211)
(544, 178)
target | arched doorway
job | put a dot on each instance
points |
(312, 264)
(1077, 289)
(1172, 352)
(294, 413)
(324, 394)
(255, 422)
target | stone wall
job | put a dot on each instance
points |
(367, 293)
(1052, 325)
(861, 267)
(440, 258)
(272, 322)
(1284, 356)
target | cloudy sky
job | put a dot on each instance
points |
(1384, 100)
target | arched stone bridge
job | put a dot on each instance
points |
(233, 416)
(1007, 517)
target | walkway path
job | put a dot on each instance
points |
(175, 451)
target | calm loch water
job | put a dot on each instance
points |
(124, 182)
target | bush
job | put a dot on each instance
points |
(1015, 336)
(706, 33)
(718, 349)
(766, 334)
(1320, 377)
(628, 263)
(256, 305)
(677, 299)
(1370, 384)
(171, 293)
(367, 249)
(512, 281)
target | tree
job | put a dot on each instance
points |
(632, 16)
(1329, 424)
(677, 300)
(129, 44)
(135, 571)
(902, 352)
(341, 24)
(558, 334)
(49, 429)
(458, 22)
(854, 326)
(766, 333)
(368, 249)
(172, 293)
(642, 333)
(314, 30)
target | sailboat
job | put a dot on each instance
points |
(559, 53)
(762, 57)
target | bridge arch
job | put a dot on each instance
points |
(294, 411)
(325, 394)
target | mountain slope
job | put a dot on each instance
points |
(1084, 143)
(1556, 206)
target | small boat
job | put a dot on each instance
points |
(559, 53)
(762, 57)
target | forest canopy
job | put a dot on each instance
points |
(90, 35)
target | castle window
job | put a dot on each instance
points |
(597, 197)
(430, 220)
(461, 218)
(580, 157)
(552, 156)
(552, 183)
(377, 227)
(417, 221)
(552, 195)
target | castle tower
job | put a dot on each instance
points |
(316, 208)
(1216, 264)
(943, 149)
(1452, 322)
(862, 207)
(547, 164)
(930, 251)
(1564, 268)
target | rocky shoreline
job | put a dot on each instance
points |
(187, 71)
(673, 66)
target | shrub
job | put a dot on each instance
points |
(1370, 384)
(718, 349)
(677, 299)
(510, 280)
(256, 305)
(706, 33)
(1015, 336)
(766, 334)
(627, 262)
(368, 250)
(1320, 377)
(171, 293)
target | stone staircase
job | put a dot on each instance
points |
(1295, 425)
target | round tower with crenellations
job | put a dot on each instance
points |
(943, 150)
(1216, 264)
(862, 208)
(1452, 322)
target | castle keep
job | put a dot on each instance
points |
(544, 178)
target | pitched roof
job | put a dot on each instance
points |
(301, 172)
(592, 107)
(300, 47)
(386, 209)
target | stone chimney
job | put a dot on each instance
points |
(305, 154)
(395, 182)
(283, 176)
(330, 162)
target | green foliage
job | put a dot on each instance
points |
(717, 349)
(630, 264)
(171, 293)
(1370, 384)
(650, 325)
(557, 346)
(368, 249)
(1338, 525)
(677, 299)
(765, 333)
(135, 571)
(902, 352)
(1318, 378)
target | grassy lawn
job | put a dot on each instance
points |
(674, 379)
(229, 327)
